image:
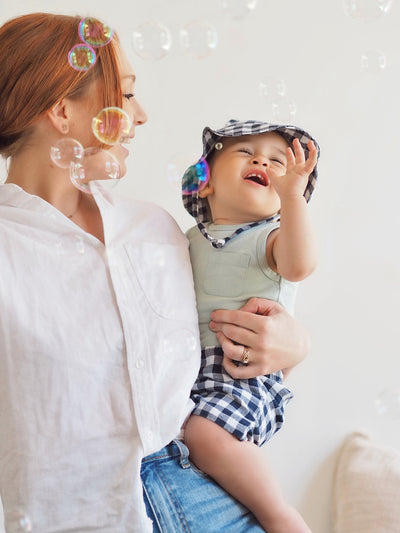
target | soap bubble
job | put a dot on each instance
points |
(198, 38)
(388, 403)
(176, 167)
(18, 522)
(94, 32)
(196, 177)
(275, 103)
(81, 57)
(111, 125)
(95, 165)
(180, 342)
(270, 88)
(238, 9)
(66, 150)
(373, 61)
(70, 244)
(367, 10)
(151, 40)
(283, 110)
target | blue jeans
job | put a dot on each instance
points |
(181, 499)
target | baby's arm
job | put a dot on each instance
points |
(292, 249)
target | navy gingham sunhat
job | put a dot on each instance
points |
(198, 207)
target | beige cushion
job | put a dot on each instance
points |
(366, 489)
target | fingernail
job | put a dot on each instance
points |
(212, 325)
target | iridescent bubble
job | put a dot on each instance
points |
(373, 61)
(18, 522)
(367, 9)
(196, 177)
(66, 150)
(238, 9)
(283, 110)
(111, 125)
(176, 167)
(270, 88)
(81, 57)
(95, 165)
(388, 403)
(93, 32)
(198, 38)
(151, 40)
(70, 244)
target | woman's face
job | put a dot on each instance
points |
(130, 105)
(87, 107)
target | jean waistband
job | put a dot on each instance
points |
(175, 448)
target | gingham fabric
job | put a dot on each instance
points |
(219, 243)
(198, 207)
(251, 409)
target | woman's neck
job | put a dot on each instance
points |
(37, 175)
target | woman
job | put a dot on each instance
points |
(98, 338)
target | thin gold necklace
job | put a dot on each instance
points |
(77, 206)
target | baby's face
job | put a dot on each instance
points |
(240, 187)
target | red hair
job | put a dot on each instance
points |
(35, 73)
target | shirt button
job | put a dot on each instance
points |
(139, 364)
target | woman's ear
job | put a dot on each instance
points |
(207, 190)
(58, 117)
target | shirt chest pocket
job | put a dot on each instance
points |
(164, 274)
(225, 273)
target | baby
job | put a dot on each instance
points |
(253, 238)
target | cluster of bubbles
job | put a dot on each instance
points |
(110, 126)
(94, 165)
(93, 34)
(372, 61)
(152, 40)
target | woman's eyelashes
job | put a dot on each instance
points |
(128, 96)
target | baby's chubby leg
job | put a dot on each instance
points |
(242, 470)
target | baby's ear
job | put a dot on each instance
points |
(206, 191)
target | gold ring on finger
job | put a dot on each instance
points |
(245, 355)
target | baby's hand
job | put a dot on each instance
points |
(294, 181)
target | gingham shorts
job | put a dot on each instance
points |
(251, 409)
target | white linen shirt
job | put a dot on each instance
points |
(99, 348)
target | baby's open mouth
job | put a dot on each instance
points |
(257, 177)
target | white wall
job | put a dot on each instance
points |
(350, 305)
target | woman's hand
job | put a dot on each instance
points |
(274, 339)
